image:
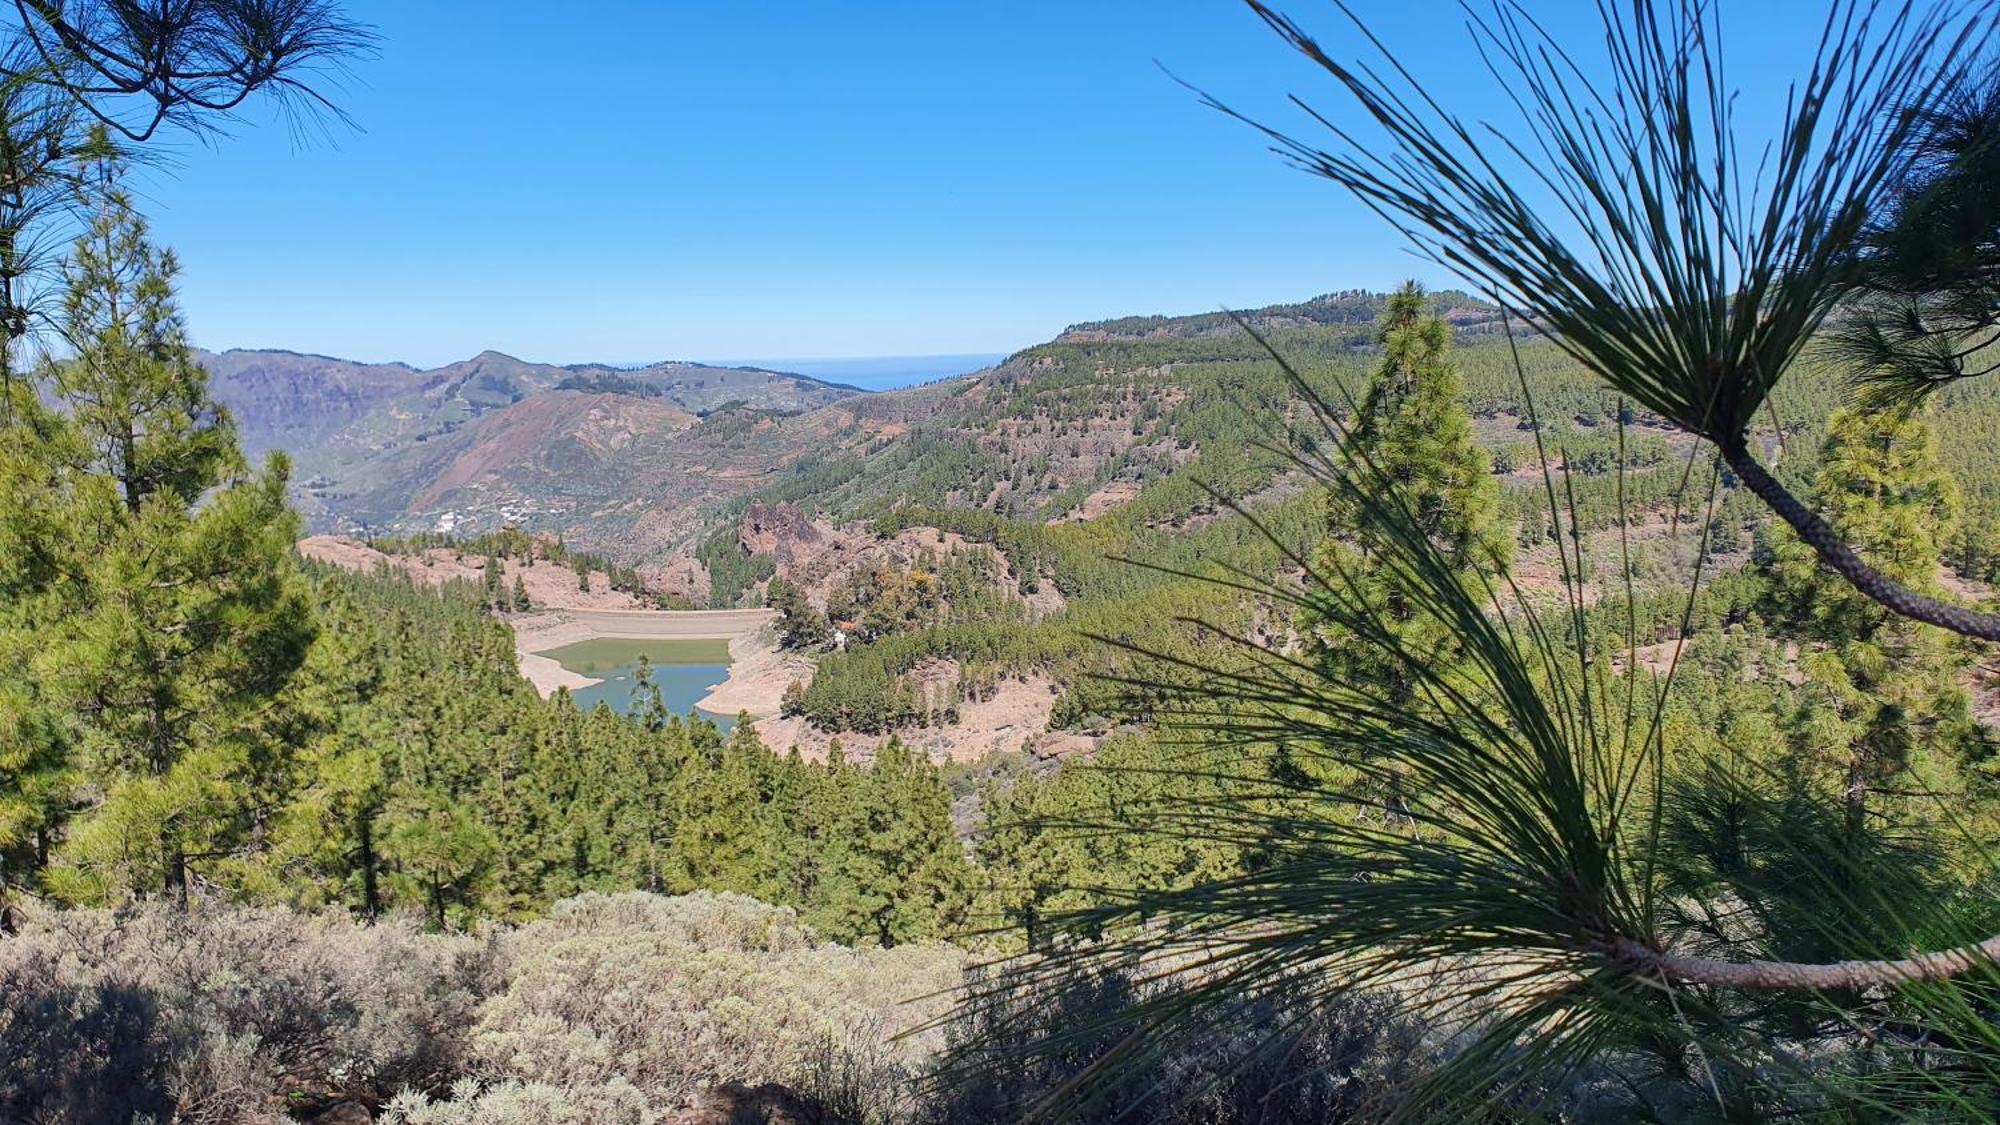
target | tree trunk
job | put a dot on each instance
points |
(8, 924)
(11, 320)
(371, 904)
(1851, 976)
(177, 876)
(128, 468)
(1857, 795)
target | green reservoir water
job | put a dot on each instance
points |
(684, 671)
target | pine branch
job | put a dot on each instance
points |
(1632, 956)
(1843, 559)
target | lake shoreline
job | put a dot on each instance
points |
(547, 675)
(537, 633)
(759, 673)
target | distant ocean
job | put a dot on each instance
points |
(875, 373)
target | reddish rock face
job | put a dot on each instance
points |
(682, 578)
(781, 531)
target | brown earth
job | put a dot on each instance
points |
(599, 424)
(550, 585)
(1109, 497)
(681, 577)
(819, 556)
(734, 1103)
(547, 674)
(670, 624)
(759, 673)
(1016, 717)
(1986, 695)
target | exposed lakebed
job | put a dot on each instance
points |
(685, 670)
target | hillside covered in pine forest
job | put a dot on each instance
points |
(1572, 696)
(973, 532)
(1037, 486)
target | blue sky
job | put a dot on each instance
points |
(727, 178)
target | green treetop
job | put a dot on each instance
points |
(726, 835)
(801, 625)
(891, 869)
(1880, 484)
(1882, 694)
(1412, 424)
(174, 616)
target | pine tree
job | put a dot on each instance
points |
(791, 788)
(188, 616)
(1412, 424)
(725, 836)
(799, 623)
(38, 547)
(1882, 694)
(493, 579)
(323, 847)
(654, 809)
(1879, 482)
(890, 868)
(649, 708)
(441, 853)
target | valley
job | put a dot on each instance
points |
(1568, 698)
(712, 661)
(494, 440)
(619, 672)
(984, 520)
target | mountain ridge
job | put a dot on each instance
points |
(477, 444)
(1127, 419)
(490, 354)
(373, 441)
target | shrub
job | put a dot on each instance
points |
(616, 996)
(519, 1103)
(621, 1009)
(1265, 1058)
(225, 1014)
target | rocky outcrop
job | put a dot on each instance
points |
(682, 577)
(782, 531)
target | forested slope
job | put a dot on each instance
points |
(207, 719)
(1101, 467)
